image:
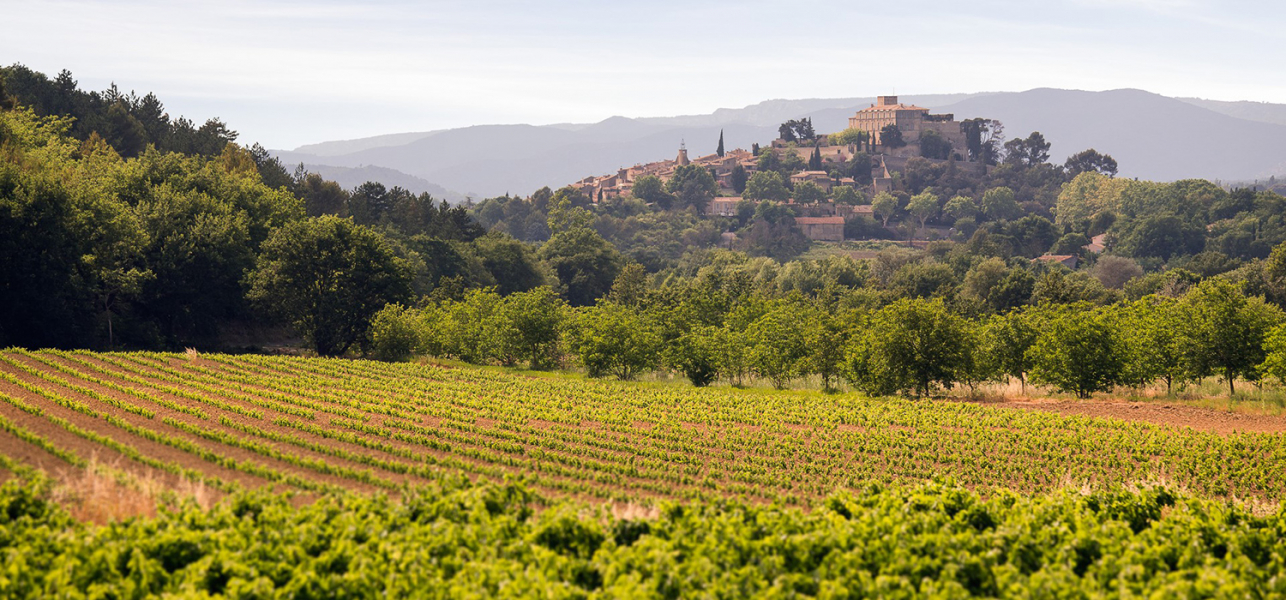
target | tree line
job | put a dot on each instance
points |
(718, 330)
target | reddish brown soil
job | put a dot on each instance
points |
(1158, 413)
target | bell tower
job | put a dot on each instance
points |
(683, 154)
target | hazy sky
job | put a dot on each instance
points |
(287, 73)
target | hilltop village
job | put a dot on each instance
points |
(827, 178)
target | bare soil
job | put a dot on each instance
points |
(1158, 413)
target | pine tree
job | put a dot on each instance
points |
(719, 150)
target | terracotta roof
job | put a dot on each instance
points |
(893, 107)
(1056, 257)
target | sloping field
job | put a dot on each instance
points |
(317, 425)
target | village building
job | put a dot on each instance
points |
(723, 207)
(822, 229)
(911, 120)
(1067, 260)
(821, 178)
(1097, 244)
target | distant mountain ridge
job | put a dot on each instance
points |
(1151, 136)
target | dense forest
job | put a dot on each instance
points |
(124, 227)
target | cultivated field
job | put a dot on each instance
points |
(316, 425)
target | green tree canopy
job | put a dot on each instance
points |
(910, 346)
(328, 277)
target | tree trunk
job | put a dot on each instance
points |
(1231, 391)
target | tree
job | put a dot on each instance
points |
(1151, 328)
(845, 194)
(826, 339)
(585, 263)
(998, 203)
(777, 347)
(911, 346)
(1027, 152)
(612, 339)
(1088, 161)
(859, 168)
(923, 206)
(321, 197)
(1223, 331)
(796, 130)
(1274, 364)
(885, 205)
(848, 137)
(1007, 343)
(328, 277)
(719, 150)
(815, 159)
(696, 354)
(891, 137)
(693, 185)
(395, 334)
(766, 185)
(983, 138)
(1115, 271)
(532, 324)
(808, 192)
(961, 207)
(739, 177)
(933, 145)
(630, 287)
(1078, 351)
(650, 188)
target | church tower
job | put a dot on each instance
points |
(683, 155)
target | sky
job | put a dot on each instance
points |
(288, 73)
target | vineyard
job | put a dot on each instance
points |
(316, 426)
(499, 484)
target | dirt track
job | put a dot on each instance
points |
(1160, 413)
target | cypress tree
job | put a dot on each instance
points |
(719, 151)
(815, 161)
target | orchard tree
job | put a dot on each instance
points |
(910, 346)
(696, 354)
(825, 338)
(1150, 328)
(532, 325)
(1078, 350)
(1223, 331)
(1006, 343)
(611, 339)
(328, 277)
(778, 348)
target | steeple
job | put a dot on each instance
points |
(683, 154)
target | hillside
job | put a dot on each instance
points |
(1152, 136)
(351, 177)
